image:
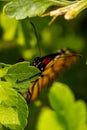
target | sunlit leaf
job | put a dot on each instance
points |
(3, 69)
(13, 108)
(61, 97)
(21, 71)
(66, 113)
(48, 121)
(23, 8)
(63, 102)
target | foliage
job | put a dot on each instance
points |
(19, 72)
(67, 114)
(22, 9)
(13, 107)
(56, 107)
(11, 115)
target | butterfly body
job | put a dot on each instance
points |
(50, 66)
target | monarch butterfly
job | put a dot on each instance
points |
(49, 66)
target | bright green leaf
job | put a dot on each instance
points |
(3, 69)
(13, 108)
(61, 97)
(23, 8)
(71, 113)
(77, 115)
(3, 65)
(66, 113)
(21, 71)
(48, 121)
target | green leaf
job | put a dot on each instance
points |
(21, 71)
(62, 100)
(3, 69)
(61, 97)
(23, 8)
(67, 114)
(48, 121)
(77, 115)
(13, 108)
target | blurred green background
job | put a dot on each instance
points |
(18, 39)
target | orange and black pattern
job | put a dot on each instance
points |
(50, 66)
